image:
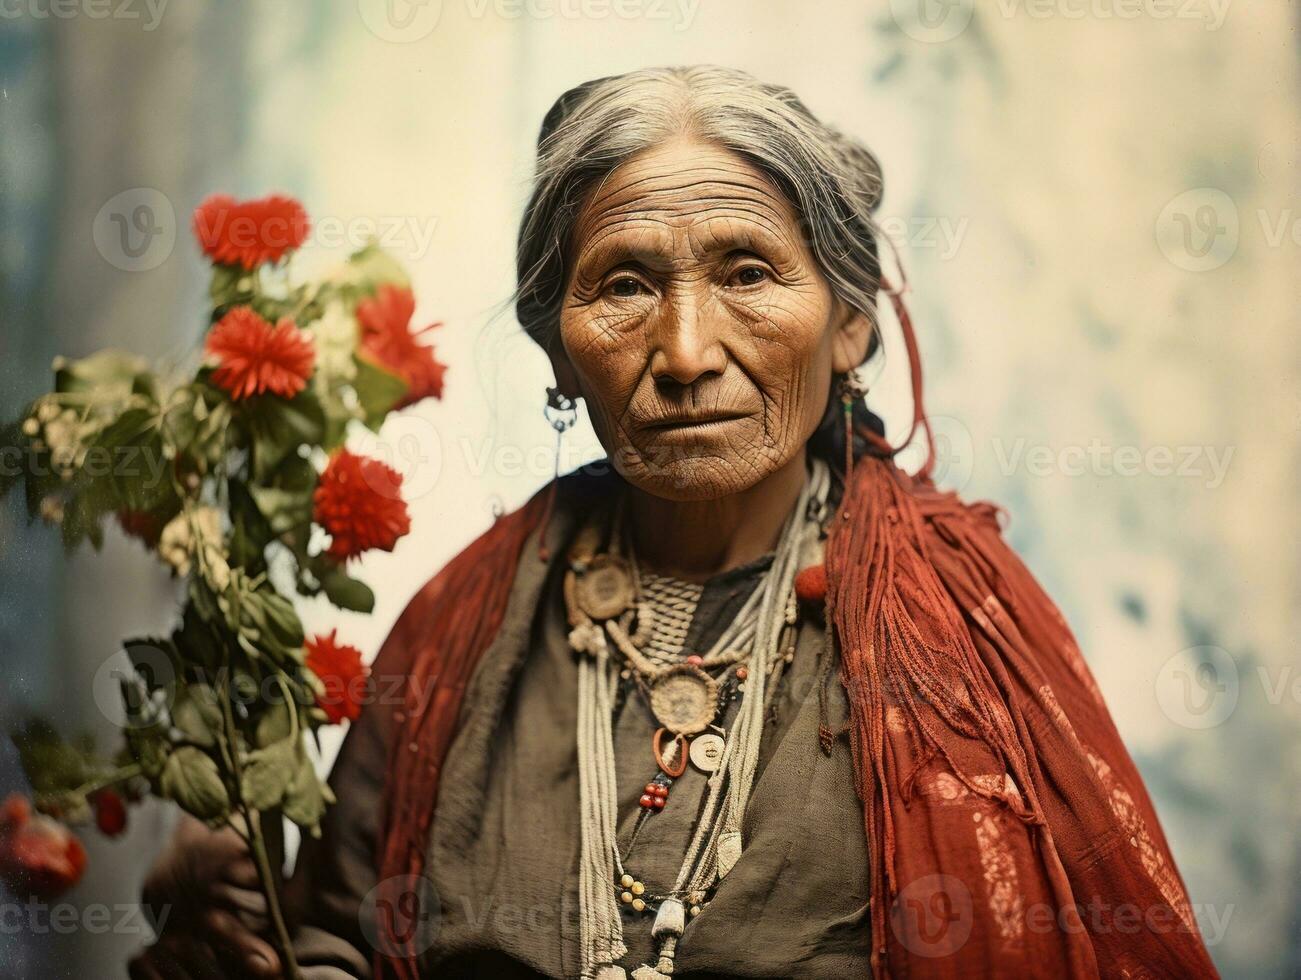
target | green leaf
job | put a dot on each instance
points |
(283, 509)
(196, 640)
(197, 714)
(107, 373)
(281, 619)
(150, 748)
(278, 427)
(307, 797)
(268, 773)
(377, 390)
(275, 725)
(371, 267)
(250, 531)
(52, 765)
(225, 288)
(197, 417)
(192, 779)
(343, 590)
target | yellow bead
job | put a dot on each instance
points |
(626, 897)
(638, 888)
(638, 905)
(626, 881)
(695, 910)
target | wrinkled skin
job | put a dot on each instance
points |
(703, 336)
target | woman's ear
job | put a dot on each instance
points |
(563, 368)
(851, 339)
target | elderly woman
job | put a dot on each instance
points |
(748, 700)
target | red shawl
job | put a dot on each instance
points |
(1009, 831)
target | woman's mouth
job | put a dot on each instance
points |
(693, 421)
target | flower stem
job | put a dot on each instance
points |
(229, 744)
(257, 843)
(108, 779)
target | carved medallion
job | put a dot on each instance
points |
(707, 752)
(684, 700)
(604, 589)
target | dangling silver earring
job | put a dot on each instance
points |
(853, 385)
(561, 412)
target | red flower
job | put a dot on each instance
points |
(249, 233)
(254, 356)
(142, 524)
(359, 501)
(340, 669)
(386, 336)
(110, 812)
(39, 858)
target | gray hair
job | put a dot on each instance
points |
(833, 183)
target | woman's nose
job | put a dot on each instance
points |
(686, 341)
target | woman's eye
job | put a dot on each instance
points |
(751, 275)
(625, 287)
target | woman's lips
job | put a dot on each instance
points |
(694, 424)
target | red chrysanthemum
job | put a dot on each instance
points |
(387, 337)
(253, 356)
(248, 233)
(342, 673)
(39, 858)
(359, 501)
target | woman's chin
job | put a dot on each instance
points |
(699, 471)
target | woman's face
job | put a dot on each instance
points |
(697, 324)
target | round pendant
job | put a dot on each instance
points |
(684, 699)
(706, 752)
(604, 589)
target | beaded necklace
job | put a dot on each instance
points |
(610, 628)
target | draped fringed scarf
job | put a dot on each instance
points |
(1008, 830)
(437, 643)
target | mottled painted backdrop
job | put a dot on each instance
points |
(1096, 203)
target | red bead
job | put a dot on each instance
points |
(811, 584)
(661, 791)
(659, 802)
(695, 660)
(647, 801)
(742, 673)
